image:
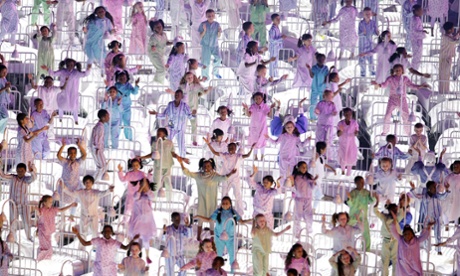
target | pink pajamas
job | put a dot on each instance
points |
(46, 227)
(130, 177)
(324, 126)
(303, 203)
(416, 37)
(348, 150)
(258, 126)
(106, 251)
(263, 201)
(205, 258)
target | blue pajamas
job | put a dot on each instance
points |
(125, 91)
(171, 261)
(114, 129)
(317, 87)
(206, 54)
(126, 121)
(95, 48)
(41, 145)
(230, 244)
(180, 139)
(366, 31)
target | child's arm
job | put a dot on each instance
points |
(246, 110)
(330, 168)
(412, 189)
(6, 87)
(65, 84)
(203, 218)
(80, 238)
(210, 147)
(455, 237)
(82, 149)
(31, 79)
(276, 234)
(309, 70)
(126, 247)
(268, 61)
(202, 30)
(294, 58)
(63, 209)
(61, 149)
(250, 151)
(3, 175)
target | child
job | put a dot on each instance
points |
(5, 99)
(275, 39)
(258, 126)
(115, 8)
(262, 82)
(343, 262)
(41, 118)
(119, 64)
(65, 16)
(453, 213)
(125, 90)
(286, 6)
(258, 12)
(390, 150)
(409, 262)
(19, 186)
(301, 122)
(24, 153)
(232, 9)
(449, 43)
(320, 11)
(217, 265)
(437, 10)
(407, 13)
(231, 161)
(141, 221)
(69, 79)
(133, 264)
(290, 146)
(367, 28)
(264, 196)
(198, 8)
(401, 57)
(47, 92)
(417, 34)
(162, 166)
(451, 239)
(385, 179)
(210, 32)
(106, 250)
(304, 56)
(248, 31)
(114, 47)
(70, 170)
(10, 20)
(348, 36)
(347, 130)
(262, 244)
(428, 169)
(132, 178)
(45, 5)
(318, 165)
(176, 13)
(304, 185)
(220, 216)
(398, 97)
(98, 25)
(246, 71)
(97, 143)
(384, 49)
(389, 245)
(176, 65)
(203, 260)
(89, 200)
(175, 246)
(358, 201)
(297, 259)
(156, 49)
(223, 122)
(430, 207)
(177, 113)
(45, 49)
(47, 225)
(207, 181)
(139, 30)
(292, 272)
(334, 86)
(326, 111)
(5, 255)
(344, 234)
(193, 65)
(318, 72)
(192, 92)
(112, 103)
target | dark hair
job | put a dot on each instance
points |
(340, 264)
(128, 253)
(386, 159)
(296, 172)
(456, 162)
(270, 179)
(358, 178)
(210, 11)
(21, 166)
(229, 111)
(153, 23)
(415, 8)
(102, 113)
(20, 117)
(367, 9)
(419, 125)
(332, 75)
(397, 66)
(430, 183)
(390, 137)
(71, 148)
(320, 146)
(274, 16)
(2, 67)
(219, 259)
(295, 132)
(203, 161)
(258, 94)
(290, 255)
(447, 26)
(292, 271)
(251, 44)
(37, 100)
(382, 37)
(174, 49)
(121, 73)
(247, 25)
(108, 226)
(191, 61)
(302, 38)
(48, 77)
(408, 228)
(88, 177)
(179, 91)
(335, 217)
(164, 130)
(43, 200)
(202, 244)
(117, 58)
(320, 55)
(93, 16)
(112, 44)
(216, 133)
(393, 57)
(219, 211)
(391, 207)
(131, 161)
(347, 109)
(261, 67)
(175, 214)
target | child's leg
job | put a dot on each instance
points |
(315, 95)
(265, 264)
(235, 183)
(307, 213)
(362, 65)
(194, 128)
(226, 188)
(270, 220)
(35, 11)
(167, 182)
(180, 262)
(370, 61)
(230, 244)
(160, 7)
(45, 148)
(115, 132)
(417, 50)
(94, 226)
(405, 117)
(385, 256)
(217, 60)
(349, 168)
(107, 133)
(437, 233)
(393, 103)
(206, 60)
(196, 49)
(321, 133)
(257, 263)
(126, 120)
(24, 212)
(220, 245)
(46, 13)
(180, 138)
(45, 249)
(298, 208)
(169, 266)
(101, 164)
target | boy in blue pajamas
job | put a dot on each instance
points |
(318, 73)
(125, 90)
(112, 103)
(210, 32)
(180, 233)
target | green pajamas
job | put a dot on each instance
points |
(359, 204)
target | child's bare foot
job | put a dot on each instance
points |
(76, 123)
(255, 158)
(261, 157)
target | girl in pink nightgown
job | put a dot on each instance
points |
(133, 264)
(203, 260)
(264, 196)
(138, 38)
(258, 130)
(47, 226)
(297, 259)
(347, 130)
(141, 221)
(133, 177)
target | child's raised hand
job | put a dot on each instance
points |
(285, 76)
(111, 188)
(347, 80)
(412, 185)
(120, 168)
(440, 244)
(254, 169)
(136, 237)
(272, 59)
(121, 267)
(31, 166)
(270, 79)
(204, 27)
(75, 230)
(245, 106)
(164, 227)
(323, 218)
(30, 76)
(74, 204)
(206, 140)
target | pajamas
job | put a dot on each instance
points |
(343, 236)
(125, 91)
(261, 249)
(318, 86)
(258, 125)
(97, 150)
(95, 47)
(417, 35)
(210, 46)
(46, 227)
(446, 53)
(176, 69)
(230, 228)
(263, 201)
(138, 38)
(258, 14)
(206, 259)
(24, 153)
(176, 247)
(106, 251)
(133, 266)
(40, 145)
(302, 76)
(198, 16)
(366, 30)
(247, 75)
(115, 8)
(359, 203)
(162, 167)
(232, 8)
(45, 53)
(176, 11)
(274, 46)
(289, 150)
(35, 11)
(384, 51)
(10, 20)
(325, 127)
(230, 162)
(112, 128)
(65, 15)
(348, 37)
